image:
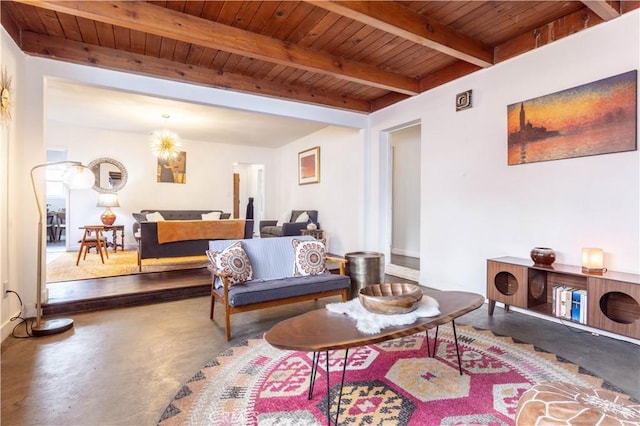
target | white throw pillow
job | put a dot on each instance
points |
(304, 217)
(211, 216)
(310, 257)
(284, 218)
(154, 217)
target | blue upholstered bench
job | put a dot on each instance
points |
(273, 283)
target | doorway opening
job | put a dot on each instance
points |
(248, 193)
(405, 202)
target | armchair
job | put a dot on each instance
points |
(270, 228)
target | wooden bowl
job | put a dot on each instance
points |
(390, 298)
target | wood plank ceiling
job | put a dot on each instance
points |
(354, 55)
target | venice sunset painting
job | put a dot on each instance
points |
(595, 118)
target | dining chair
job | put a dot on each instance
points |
(61, 228)
(51, 226)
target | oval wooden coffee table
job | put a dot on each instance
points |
(322, 331)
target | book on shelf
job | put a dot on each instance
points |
(576, 305)
(569, 303)
(556, 300)
(561, 301)
(582, 316)
(565, 304)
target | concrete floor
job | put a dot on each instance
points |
(123, 366)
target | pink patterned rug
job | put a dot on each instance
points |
(389, 383)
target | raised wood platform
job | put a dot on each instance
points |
(128, 290)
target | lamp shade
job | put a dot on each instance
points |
(108, 200)
(78, 177)
(593, 260)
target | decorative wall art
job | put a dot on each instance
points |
(464, 100)
(595, 118)
(173, 170)
(309, 166)
(5, 96)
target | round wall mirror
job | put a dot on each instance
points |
(111, 175)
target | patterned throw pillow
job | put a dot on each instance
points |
(310, 257)
(232, 261)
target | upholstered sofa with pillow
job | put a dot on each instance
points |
(262, 273)
(185, 239)
(290, 225)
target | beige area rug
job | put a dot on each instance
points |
(63, 266)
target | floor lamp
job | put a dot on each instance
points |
(76, 176)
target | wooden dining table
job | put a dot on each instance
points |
(322, 331)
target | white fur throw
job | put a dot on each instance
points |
(369, 323)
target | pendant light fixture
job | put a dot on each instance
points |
(165, 144)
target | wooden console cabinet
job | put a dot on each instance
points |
(613, 298)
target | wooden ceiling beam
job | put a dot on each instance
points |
(402, 22)
(157, 20)
(548, 33)
(447, 74)
(88, 54)
(387, 100)
(605, 9)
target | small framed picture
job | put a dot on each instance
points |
(309, 166)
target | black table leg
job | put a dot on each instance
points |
(328, 391)
(314, 371)
(455, 336)
(344, 369)
(435, 342)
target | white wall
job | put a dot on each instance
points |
(476, 207)
(339, 195)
